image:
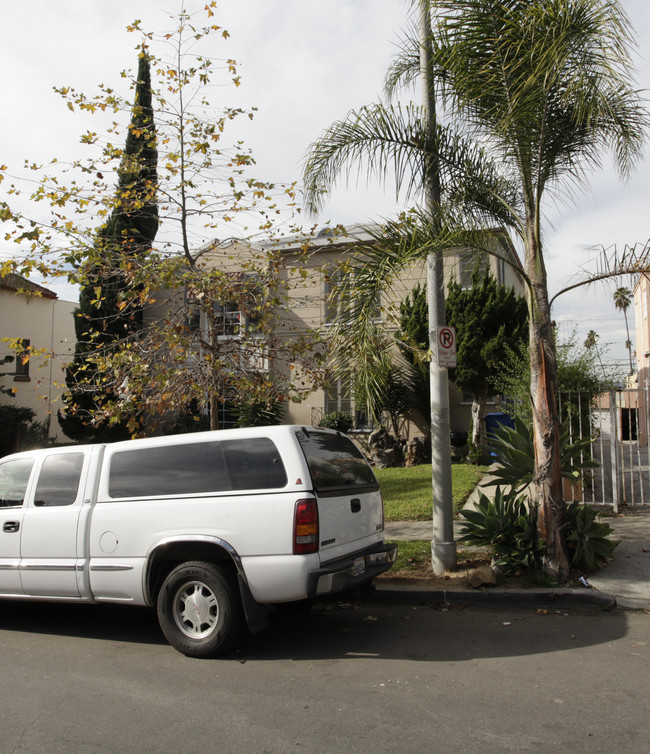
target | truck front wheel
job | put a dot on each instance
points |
(199, 609)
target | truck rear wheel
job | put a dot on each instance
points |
(199, 609)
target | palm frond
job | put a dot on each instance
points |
(404, 69)
(381, 137)
(548, 83)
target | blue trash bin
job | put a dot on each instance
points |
(493, 422)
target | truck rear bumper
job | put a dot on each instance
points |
(351, 571)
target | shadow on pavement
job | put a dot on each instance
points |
(425, 632)
(107, 622)
(429, 632)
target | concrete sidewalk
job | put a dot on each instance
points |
(625, 582)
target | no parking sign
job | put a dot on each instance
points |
(446, 347)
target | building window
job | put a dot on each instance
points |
(338, 397)
(194, 319)
(335, 302)
(339, 285)
(468, 398)
(468, 263)
(227, 318)
(22, 362)
(238, 317)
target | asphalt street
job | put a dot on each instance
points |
(341, 678)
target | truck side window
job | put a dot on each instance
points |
(254, 464)
(58, 481)
(14, 476)
(168, 470)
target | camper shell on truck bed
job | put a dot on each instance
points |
(210, 527)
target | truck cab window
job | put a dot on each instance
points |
(58, 481)
(14, 476)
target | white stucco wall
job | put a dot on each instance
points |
(48, 324)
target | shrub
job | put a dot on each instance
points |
(587, 539)
(338, 420)
(516, 455)
(506, 526)
(19, 431)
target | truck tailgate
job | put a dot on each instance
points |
(349, 521)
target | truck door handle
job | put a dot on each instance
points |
(355, 505)
(11, 526)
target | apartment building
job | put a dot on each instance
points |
(309, 305)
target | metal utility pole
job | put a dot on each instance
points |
(443, 546)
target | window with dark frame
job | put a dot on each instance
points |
(468, 264)
(337, 285)
(227, 318)
(22, 361)
(14, 476)
(238, 317)
(58, 480)
(194, 319)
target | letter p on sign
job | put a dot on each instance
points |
(446, 347)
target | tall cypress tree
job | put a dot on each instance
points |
(108, 308)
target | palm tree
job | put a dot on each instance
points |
(432, 162)
(548, 87)
(622, 301)
(591, 341)
(545, 87)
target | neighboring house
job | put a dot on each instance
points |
(642, 340)
(310, 307)
(44, 325)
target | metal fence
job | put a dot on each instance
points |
(618, 423)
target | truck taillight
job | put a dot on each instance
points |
(305, 527)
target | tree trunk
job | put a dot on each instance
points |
(478, 412)
(628, 342)
(214, 411)
(547, 483)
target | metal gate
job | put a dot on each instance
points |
(618, 424)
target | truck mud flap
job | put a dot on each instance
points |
(257, 616)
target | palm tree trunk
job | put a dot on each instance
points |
(628, 342)
(547, 482)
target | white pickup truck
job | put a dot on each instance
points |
(209, 527)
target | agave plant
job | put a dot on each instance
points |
(506, 526)
(515, 452)
(587, 539)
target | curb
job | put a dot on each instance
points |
(562, 598)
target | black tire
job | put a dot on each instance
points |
(200, 610)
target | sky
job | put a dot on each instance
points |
(303, 64)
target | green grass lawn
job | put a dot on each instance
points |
(407, 491)
(414, 558)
